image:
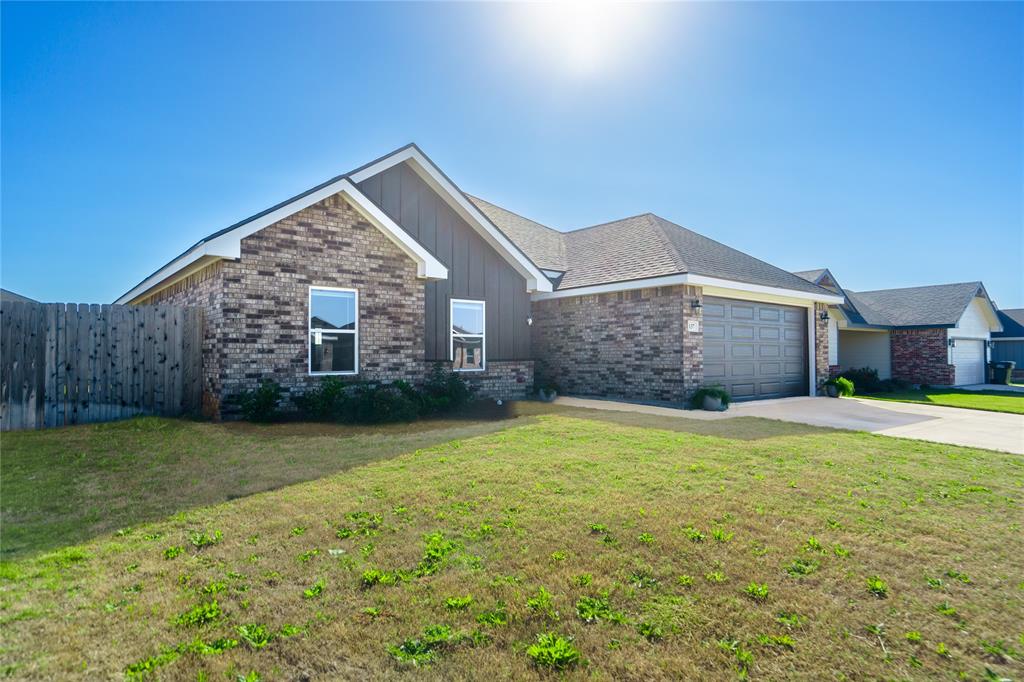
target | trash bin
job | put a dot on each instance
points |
(1002, 371)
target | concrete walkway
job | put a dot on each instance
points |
(974, 428)
(1006, 388)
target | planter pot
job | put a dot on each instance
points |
(547, 395)
(712, 404)
(832, 391)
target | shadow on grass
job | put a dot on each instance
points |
(67, 485)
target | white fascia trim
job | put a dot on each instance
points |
(229, 244)
(720, 286)
(1008, 338)
(432, 175)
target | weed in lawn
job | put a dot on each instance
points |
(214, 587)
(934, 583)
(458, 603)
(715, 577)
(877, 587)
(942, 650)
(840, 551)
(559, 556)
(289, 630)
(757, 591)
(201, 614)
(255, 635)
(642, 578)
(744, 659)
(801, 567)
(913, 636)
(599, 529)
(959, 576)
(495, 617)
(781, 641)
(946, 609)
(436, 551)
(583, 579)
(553, 651)
(721, 535)
(645, 539)
(173, 552)
(684, 580)
(652, 632)
(1000, 651)
(789, 620)
(694, 535)
(542, 603)
(813, 545)
(200, 539)
(314, 590)
(592, 609)
(298, 530)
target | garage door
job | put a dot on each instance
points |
(969, 360)
(755, 350)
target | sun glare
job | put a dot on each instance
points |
(587, 38)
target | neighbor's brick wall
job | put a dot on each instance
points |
(619, 345)
(920, 356)
(822, 370)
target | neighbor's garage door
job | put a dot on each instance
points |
(969, 360)
(755, 350)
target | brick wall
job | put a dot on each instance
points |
(822, 370)
(693, 341)
(504, 379)
(619, 345)
(920, 356)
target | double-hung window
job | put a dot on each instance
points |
(468, 344)
(333, 331)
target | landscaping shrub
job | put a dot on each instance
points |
(261, 404)
(843, 385)
(334, 399)
(444, 390)
(697, 400)
(865, 379)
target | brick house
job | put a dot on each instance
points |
(381, 272)
(939, 335)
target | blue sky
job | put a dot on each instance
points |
(885, 141)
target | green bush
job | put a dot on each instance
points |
(261, 404)
(444, 390)
(697, 400)
(334, 399)
(865, 379)
(843, 385)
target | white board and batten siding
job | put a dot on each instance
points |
(968, 350)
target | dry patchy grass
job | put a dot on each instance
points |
(678, 552)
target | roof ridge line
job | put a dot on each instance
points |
(609, 222)
(922, 286)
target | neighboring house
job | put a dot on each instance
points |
(1009, 343)
(382, 271)
(7, 296)
(937, 335)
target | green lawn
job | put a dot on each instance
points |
(657, 548)
(991, 401)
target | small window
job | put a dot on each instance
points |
(333, 331)
(468, 345)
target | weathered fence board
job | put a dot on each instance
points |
(73, 363)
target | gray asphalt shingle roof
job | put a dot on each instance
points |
(637, 247)
(929, 306)
(1013, 323)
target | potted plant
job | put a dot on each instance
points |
(838, 387)
(711, 398)
(548, 392)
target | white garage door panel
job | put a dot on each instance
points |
(969, 360)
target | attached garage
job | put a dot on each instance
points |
(755, 350)
(968, 359)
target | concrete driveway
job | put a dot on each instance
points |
(974, 428)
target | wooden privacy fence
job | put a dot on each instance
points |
(77, 363)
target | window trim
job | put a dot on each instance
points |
(452, 334)
(310, 329)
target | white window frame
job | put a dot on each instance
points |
(452, 334)
(310, 329)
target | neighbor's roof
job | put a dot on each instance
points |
(1013, 323)
(11, 297)
(811, 275)
(940, 305)
(634, 248)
